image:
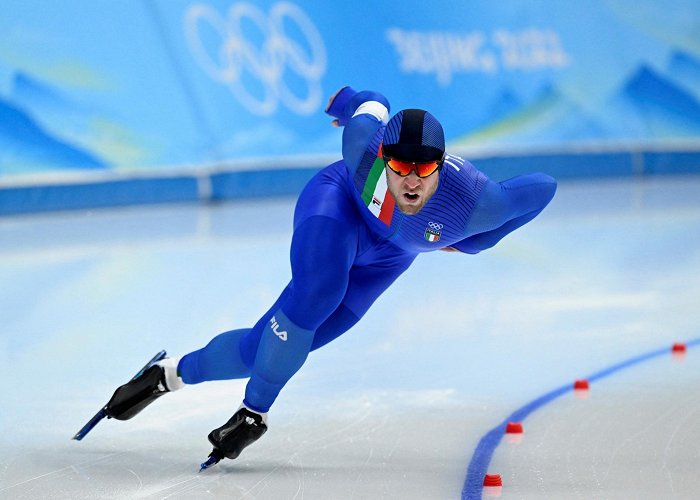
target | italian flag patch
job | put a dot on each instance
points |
(431, 235)
(376, 195)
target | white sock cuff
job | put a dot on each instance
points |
(263, 415)
(172, 381)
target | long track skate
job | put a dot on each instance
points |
(103, 411)
(243, 429)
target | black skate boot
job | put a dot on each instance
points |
(132, 397)
(119, 404)
(243, 429)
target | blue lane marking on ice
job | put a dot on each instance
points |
(478, 466)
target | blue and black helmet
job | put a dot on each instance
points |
(414, 135)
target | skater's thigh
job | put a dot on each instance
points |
(367, 282)
(324, 244)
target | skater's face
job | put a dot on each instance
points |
(411, 192)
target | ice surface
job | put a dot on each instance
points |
(395, 407)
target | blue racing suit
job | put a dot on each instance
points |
(350, 242)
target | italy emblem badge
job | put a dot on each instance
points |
(432, 232)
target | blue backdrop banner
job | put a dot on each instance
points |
(147, 84)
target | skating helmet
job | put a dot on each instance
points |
(414, 135)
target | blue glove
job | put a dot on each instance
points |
(337, 104)
(346, 101)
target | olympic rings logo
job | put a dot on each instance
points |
(435, 226)
(255, 72)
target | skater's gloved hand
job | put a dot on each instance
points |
(343, 104)
(336, 106)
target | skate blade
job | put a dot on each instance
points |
(214, 458)
(89, 426)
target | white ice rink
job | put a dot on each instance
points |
(395, 408)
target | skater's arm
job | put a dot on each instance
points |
(362, 114)
(504, 207)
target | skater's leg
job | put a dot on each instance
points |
(337, 323)
(323, 250)
(322, 228)
(366, 284)
(229, 355)
(220, 359)
(251, 340)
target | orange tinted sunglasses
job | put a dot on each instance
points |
(404, 168)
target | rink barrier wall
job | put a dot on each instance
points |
(77, 191)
